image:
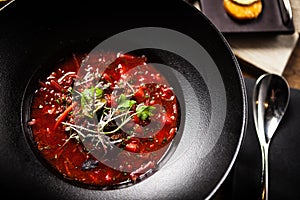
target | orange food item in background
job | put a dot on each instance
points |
(243, 12)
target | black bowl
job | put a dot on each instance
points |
(214, 100)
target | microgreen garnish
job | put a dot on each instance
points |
(91, 101)
(124, 103)
(144, 112)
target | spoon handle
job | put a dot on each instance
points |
(265, 172)
(270, 100)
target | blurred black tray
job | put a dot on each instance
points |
(269, 20)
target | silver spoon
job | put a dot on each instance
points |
(271, 97)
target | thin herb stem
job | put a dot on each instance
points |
(80, 127)
(121, 125)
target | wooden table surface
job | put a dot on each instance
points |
(292, 71)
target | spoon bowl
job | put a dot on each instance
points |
(271, 96)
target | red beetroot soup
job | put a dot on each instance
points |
(105, 119)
